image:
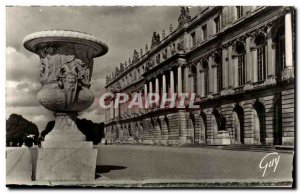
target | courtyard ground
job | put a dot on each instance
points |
(140, 162)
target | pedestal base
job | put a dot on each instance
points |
(55, 164)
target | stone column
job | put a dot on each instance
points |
(198, 79)
(249, 63)
(156, 85)
(211, 75)
(164, 84)
(225, 68)
(270, 56)
(150, 90)
(116, 111)
(186, 77)
(230, 67)
(171, 82)
(145, 89)
(179, 80)
(157, 88)
(150, 87)
(288, 40)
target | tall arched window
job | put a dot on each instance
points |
(194, 78)
(218, 62)
(260, 42)
(240, 51)
(205, 73)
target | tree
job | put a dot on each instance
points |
(49, 127)
(18, 128)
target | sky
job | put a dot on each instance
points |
(123, 29)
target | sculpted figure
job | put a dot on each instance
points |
(135, 56)
(184, 16)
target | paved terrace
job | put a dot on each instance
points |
(159, 166)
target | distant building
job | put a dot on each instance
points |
(239, 60)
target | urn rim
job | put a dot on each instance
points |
(33, 40)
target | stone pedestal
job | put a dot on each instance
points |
(56, 164)
(65, 155)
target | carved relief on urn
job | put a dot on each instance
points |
(66, 59)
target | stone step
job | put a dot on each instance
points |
(257, 148)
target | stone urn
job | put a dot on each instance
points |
(66, 67)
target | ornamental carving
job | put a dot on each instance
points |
(149, 64)
(60, 65)
(180, 45)
(172, 49)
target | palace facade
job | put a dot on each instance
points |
(239, 60)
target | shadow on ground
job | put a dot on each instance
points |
(101, 169)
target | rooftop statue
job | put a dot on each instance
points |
(117, 71)
(121, 67)
(184, 16)
(155, 39)
(135, 56)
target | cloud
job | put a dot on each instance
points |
(20, 67)
(21, 93)
(92, 115)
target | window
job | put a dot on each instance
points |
(239, 11)
(281, 52)
(217, 24)
(193, 39)
(194, 78)
(205, 71)
(218, 61)
(241, 69)
(204, 32)
(261, 63)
